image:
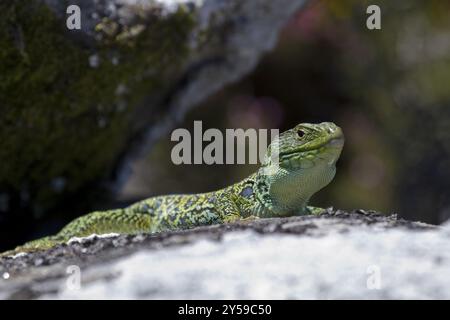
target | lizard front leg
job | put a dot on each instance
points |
(229, 211)
(227, 208)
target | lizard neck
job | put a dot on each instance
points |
(287, 192)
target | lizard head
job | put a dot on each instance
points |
(298, 163)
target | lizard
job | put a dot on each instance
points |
(297, 163)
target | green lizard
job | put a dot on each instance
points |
(297, 164)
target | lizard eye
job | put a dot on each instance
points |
(300, 133)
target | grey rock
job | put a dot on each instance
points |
(294, 255)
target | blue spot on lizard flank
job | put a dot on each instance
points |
(247, 192)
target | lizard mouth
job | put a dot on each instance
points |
(327, 151)
(333, 143)
(308, 145)
(334, 140)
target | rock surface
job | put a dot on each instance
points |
(362, 255)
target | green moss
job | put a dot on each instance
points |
(63, 118)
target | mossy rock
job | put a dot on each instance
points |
(69, 105)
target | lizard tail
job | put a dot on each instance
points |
(99, 222)
(35, 245)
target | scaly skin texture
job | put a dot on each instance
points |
(298, 163)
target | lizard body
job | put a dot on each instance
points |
(297, 164)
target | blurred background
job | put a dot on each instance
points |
(388, 89)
